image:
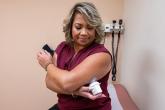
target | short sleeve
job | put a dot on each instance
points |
(100, 48)
(60, 47)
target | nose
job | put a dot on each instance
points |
(83, 31)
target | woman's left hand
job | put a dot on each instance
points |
(44, 58)
(85, 92)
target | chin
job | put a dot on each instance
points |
(85, 43)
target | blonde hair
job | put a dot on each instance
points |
(92, 16)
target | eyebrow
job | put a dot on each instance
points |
(78, 23)
(82, 24)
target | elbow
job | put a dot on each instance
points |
(67, 87)
(63, 84)
(66, 84)
(47, 85)
(47, 82)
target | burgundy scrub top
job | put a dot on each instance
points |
(67, 61)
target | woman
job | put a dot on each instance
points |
(78, 60)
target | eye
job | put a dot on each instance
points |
(78, 27)
(90, 27)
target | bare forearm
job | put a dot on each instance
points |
(54, 87)
(63, 79)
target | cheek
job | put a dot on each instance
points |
(74, 32)
(93, 34)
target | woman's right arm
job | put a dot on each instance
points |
(54, 87)
(90, 68)
(82, 91)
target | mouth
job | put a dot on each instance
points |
(83, 38)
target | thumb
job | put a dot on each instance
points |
(103, 95)
(100, 95)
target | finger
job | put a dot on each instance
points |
(46, 51)
(85, 88)
(89, 95)
(94, 97)
(38, 55)
(41, 53)
(103, 95)
(100, 95)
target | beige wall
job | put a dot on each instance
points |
(143, 60)
(25, 25)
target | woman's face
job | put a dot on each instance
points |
(82, 33)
